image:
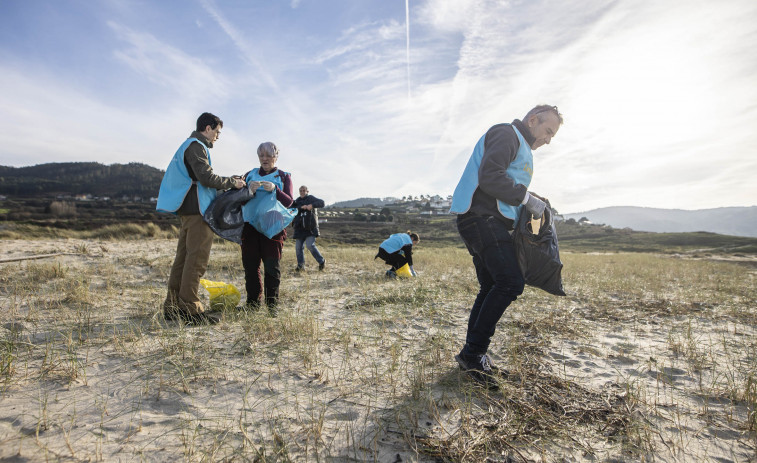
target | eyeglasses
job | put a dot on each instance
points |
(267, 155)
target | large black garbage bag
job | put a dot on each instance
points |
(224, 214)
(538, 254)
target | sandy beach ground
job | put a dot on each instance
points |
(649, 358)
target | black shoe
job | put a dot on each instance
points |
(176, 314)
(172, 314)
(322, 265)
(299, 268)
(495, 369)
(478, 368)
(273, 310)
(391, 274)
(202, 319)
(249, 307)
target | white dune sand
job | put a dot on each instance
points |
(648, 358)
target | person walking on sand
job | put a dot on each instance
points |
(397, 250)
(256, 246)
(306, 228)
(488, 198)
(188, 187)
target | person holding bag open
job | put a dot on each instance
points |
(306, 228)
(488, 199)
(273, 192)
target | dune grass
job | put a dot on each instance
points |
(648, 357)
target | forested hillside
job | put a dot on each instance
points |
(76, 178)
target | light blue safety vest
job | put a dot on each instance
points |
(249, 211)
(177, 182)
(396, 242)
(521, 169)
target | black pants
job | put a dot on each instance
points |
(501, 282)
(395, 259)
(256, 247)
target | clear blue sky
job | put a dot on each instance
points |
(659, 96)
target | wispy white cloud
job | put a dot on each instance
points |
(54, 122)
(246, 51)
(630, 78)
(168, 67)
(658, 98)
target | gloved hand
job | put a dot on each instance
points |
(535, 206)
(413, 271)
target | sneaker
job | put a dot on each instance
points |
(321, 265)
(299, 268)
(391, 274)
(478, 368)
(488, 360)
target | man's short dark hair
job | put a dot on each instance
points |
(543, 108)
(207, 119)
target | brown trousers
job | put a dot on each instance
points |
(192, 255)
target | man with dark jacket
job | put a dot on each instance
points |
(306, 227)
(188, 187)
(488, 199)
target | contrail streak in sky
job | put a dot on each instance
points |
(407, 42)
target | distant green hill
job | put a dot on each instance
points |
(362, 202)
(76, 178)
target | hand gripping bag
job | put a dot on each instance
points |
(538, 253)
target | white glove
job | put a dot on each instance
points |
(535, 206)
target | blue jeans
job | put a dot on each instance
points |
(501, 281)
(310, 243)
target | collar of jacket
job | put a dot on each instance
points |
(523, 129)
(202, 138)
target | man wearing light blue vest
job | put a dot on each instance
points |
(488, 199)
(188, 187)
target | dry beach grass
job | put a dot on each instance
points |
(650, 357)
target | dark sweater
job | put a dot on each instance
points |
(300, 231)
(500, 148)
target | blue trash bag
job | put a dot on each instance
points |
(538, 253)
(267, 214)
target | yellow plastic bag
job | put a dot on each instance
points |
(222, 295)
(404, 272)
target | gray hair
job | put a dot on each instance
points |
(543, 108)
(268, 148)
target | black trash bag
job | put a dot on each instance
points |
(538, 254)
(224, 214)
